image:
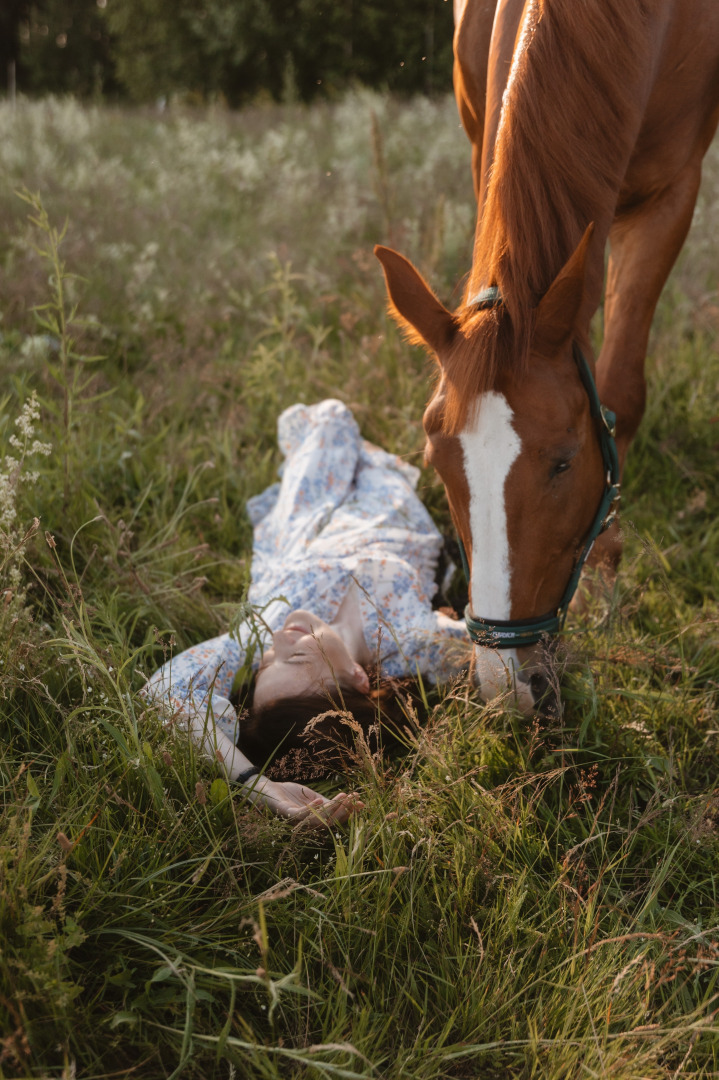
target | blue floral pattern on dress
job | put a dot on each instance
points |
(344, 511)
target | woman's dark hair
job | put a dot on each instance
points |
(306, 737)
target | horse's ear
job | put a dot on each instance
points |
(559, 307)
(413, 304)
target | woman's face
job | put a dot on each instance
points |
(307, 655)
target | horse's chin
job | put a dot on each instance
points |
(500, 673)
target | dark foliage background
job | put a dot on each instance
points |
(228, 50)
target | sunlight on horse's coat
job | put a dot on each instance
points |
(526, 31)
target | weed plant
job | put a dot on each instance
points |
(519, 898)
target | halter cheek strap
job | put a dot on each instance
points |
(513, 633)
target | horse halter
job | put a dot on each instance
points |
(514, 633)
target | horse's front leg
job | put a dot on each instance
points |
(644, 243)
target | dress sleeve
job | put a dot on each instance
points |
(322, 445)
(437, 648)
(194, 688)
(402, 631)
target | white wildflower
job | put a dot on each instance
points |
(15, 476)
(37, 347)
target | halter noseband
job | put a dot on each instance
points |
(513, 633)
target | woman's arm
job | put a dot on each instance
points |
(294, 801)
(300, 803)
(193, 688)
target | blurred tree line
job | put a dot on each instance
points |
(231, 50)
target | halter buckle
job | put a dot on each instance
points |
(613, 511)
(609, 419)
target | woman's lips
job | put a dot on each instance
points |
(297, 625)
(292, 634)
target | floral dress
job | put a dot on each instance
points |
(344, 511)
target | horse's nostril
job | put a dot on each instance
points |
(538, 684)
(547, 700)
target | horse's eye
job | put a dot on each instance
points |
(560, 467)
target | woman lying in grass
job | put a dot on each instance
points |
(343, 571)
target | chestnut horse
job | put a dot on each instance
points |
(588, 120)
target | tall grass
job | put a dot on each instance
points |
(518, 898)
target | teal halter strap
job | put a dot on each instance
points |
(513, 633)
(487, 298)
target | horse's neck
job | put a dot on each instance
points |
(550, 99)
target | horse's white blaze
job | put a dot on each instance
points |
(490, 446)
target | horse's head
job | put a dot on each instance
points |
(523, 456)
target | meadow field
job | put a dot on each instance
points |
(519, 897)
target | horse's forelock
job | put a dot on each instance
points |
(487, 344)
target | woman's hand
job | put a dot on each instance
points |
(302, 805)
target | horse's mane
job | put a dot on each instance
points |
(569, 121)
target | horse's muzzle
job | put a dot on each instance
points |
(522, 680)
